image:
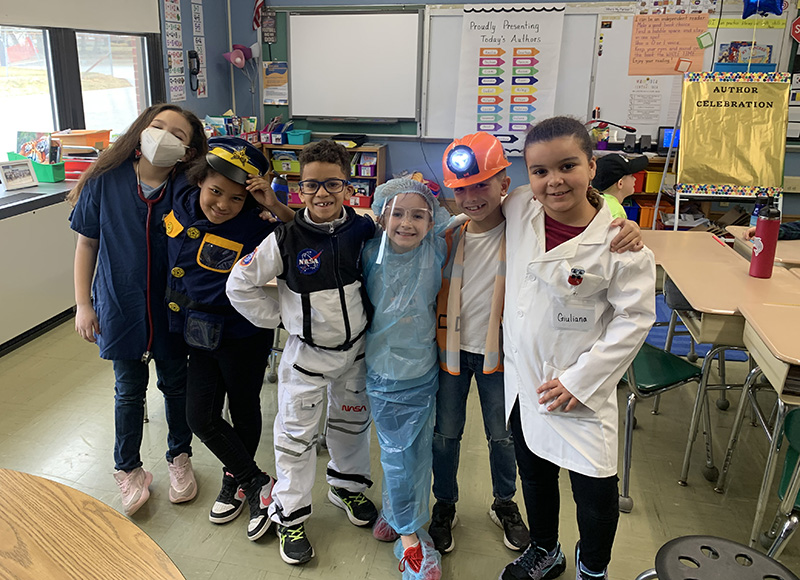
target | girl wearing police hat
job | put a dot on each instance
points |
(212, 224)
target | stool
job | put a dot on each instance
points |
(712, 558)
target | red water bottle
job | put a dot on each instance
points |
(765, 241)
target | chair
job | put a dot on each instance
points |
(711, 558)
(653, 371)
(788, 515)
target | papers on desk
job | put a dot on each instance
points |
(687, 220)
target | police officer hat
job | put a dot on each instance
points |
(235, 158)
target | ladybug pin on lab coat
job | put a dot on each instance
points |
(576, 276)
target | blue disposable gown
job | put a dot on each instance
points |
(402, 373)
(110, 210)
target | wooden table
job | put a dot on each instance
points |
(51, 531)
(787, 253)
(686, 245)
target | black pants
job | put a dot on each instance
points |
(596, 498)
(235, 369)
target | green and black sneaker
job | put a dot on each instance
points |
(359, 508)
(295, 547)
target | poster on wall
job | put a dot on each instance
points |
(508, 69)
(197, 19)
(200, 47)
(175, 62)
(177, 89)
(202, 85)
(172, 10)
(173, 35)
(276, 83)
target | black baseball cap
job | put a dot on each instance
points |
(613, 167)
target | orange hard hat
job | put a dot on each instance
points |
(473, 159)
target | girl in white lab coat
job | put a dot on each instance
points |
(575, 317)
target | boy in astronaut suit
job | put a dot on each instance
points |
(323, 306)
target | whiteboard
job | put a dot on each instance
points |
(444, 41)
(355, 66)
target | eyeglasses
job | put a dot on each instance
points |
(415, 215)
(311, 186)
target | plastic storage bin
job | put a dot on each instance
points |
(638, 184)
(84, 138)
(45, 172)
(298, 136)
(286, 166)
(359, 201)
(632, 211)
(647, 209)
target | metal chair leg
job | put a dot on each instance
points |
(673, 321)
(786, 532)
(737, 428)
(722, 402)
(648, 575)
(146, 417)
(656, 403)
(699, 402)
(625, 500)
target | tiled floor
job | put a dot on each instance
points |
(56, 420)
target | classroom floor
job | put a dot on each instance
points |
(56, 404)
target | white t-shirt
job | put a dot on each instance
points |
(480, 267)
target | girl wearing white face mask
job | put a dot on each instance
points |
(119, 203)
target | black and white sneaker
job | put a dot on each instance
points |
(295, 547)
(359, 508)
(443, 520)
(230, 501)
(259, 497)
(536, 564)
(506, 515)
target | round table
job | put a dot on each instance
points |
(49, 530)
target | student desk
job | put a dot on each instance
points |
(787, 253)
(770, 335)
(715, 281)
(49, 530)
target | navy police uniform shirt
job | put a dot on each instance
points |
(110, 210)
(202, 254)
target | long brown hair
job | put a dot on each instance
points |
(556, 127)
(126, 145)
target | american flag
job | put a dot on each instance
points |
(257, 14)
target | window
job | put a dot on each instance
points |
(25, 85)
(113, 79)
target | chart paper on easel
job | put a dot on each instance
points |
(508, 69)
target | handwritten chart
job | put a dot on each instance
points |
(666, 44)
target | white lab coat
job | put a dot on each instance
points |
(617, 292)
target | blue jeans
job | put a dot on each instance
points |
(451, 415)
(129, 395)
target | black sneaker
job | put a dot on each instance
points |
(582, 574)
(295, 547)
(358, 507)
(506, 515)
(259, 497)
(230, 501)
(536, 564)
(443, 520)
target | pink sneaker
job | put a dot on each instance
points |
(382, 531)
(182, 484)
(133, 486)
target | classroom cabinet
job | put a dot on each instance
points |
(368, 170)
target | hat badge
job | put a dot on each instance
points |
(240, 155)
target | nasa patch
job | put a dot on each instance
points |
(248, 258)
(308, 261)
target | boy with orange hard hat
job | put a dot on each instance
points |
(469, 334)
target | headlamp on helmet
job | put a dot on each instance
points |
(462, 162)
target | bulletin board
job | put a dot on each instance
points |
(593, 67)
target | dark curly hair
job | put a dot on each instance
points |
(557, 127)
(326, 151)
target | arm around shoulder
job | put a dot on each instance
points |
(247, 284)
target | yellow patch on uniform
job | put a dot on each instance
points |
(193, 233)
(172, 225)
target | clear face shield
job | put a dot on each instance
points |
(407, 220)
